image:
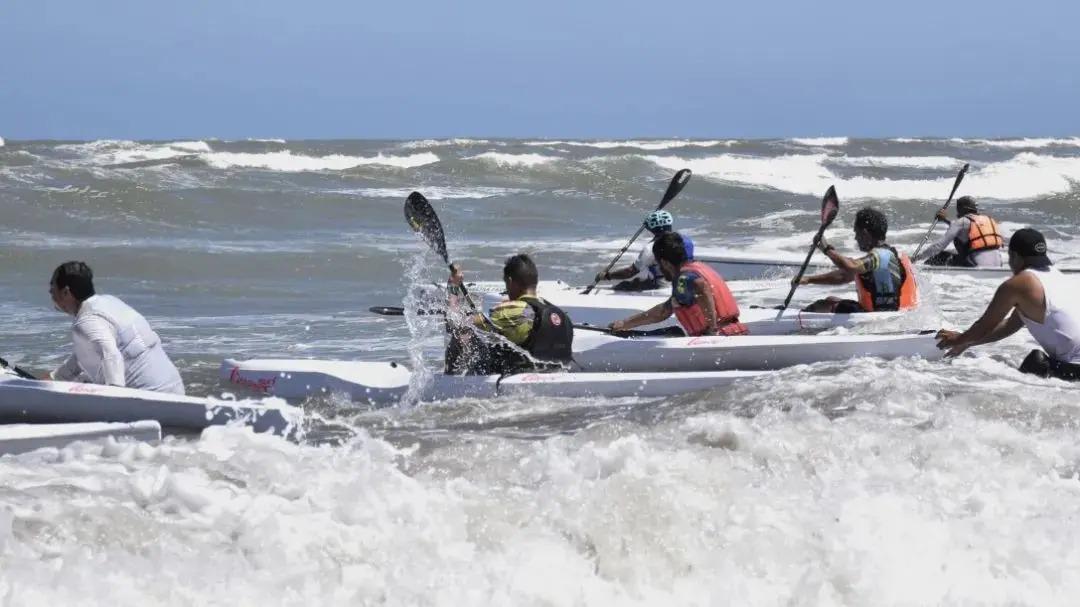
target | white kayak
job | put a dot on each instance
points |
(596, 351)
(602, 307)
(20, 438)
(41, 402)
(749, 267)
(382, 383)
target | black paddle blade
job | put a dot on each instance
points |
(678, 182)
(387, 310)
(423, 220)
(830, 206)
(956, 184)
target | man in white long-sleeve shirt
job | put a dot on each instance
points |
(977, 238)
(113, 344)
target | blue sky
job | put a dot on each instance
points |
(400, 69)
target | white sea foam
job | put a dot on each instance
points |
(1025, 143)
(272, 140)
(434, 192)
(141, 152)
(514, 160)
(820, 141)
(642, 144)
(288, 162)
(777, 220)
(917, 162)
(2, 142)
(1025, 176)
(431, 143)
(884, 506)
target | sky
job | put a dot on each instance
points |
(145, 69)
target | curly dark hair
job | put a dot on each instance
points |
(873, 221)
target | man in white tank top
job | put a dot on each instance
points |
(112, 343)
(1038, 297)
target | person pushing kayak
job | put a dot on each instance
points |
(523, 333)
(644, 274)
(1038, 297)
(977, 238)
(700, 299)
(112, 343)
(884, 279)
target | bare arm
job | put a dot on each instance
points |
(1000, 320)
(658, 313)
(842, 262)
(833, 277)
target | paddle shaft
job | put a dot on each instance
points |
(678, 182)
(23, 373)
(617, 257)
(933, 224)
(802, 270)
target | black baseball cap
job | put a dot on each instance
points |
(966, 204)
(1031, 245)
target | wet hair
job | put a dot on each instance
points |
(670, 247)
(965, 205)
(77, 277)
(521, 269)
(873, 221)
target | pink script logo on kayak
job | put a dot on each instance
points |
(84, 389)
(263, 384)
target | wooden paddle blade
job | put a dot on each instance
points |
(423, 220)
(678, 182)
(830, 206)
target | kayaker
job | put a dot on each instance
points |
(644, 274)
(700, 299)
(523, 333)
(112, 343)
(884, 279)
(1037, 296)
(976, 237)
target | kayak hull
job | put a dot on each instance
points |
(602, 307)
(26, 401)
(381, 383)
(740, 267)
(602, 352)
(20, 438)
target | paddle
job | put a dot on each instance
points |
(23, 373)
(678, 182)
(933, 224)
(830, 205)
(423, 220)
(399, 311)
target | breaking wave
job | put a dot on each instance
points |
(820, 141)
(514, 160)
(289, 162)
(649, 145)
(1025, 176)
(915, 162)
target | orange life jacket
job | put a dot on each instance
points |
(688, 310)
(878, 290)
(983, 234)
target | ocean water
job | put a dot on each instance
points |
(857, 483)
